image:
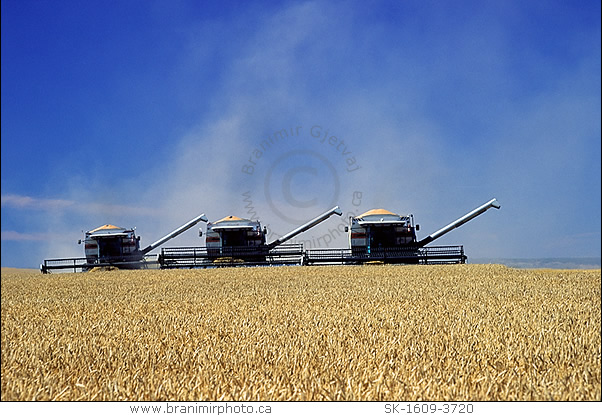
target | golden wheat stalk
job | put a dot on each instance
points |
(403, 333)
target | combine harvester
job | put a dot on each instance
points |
(377, 236)
(381, 236)
(112, 246)
(235, 241)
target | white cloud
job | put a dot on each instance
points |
(20, 236)
(66, 206)
(27, 202)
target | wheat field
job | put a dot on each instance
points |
(401, 333)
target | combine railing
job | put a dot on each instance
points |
(66, 264)
(83, 264)
(449, 254)
(203, 257)
(287, 254)
(430, 255)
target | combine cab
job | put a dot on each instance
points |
(111, 243)
(234, 237)
(380, 229)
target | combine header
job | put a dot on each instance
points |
(382, 236)
(236, 241)
(110, 245)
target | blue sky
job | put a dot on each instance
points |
(148, 113)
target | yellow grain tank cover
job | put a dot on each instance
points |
(376, 212)
(229, 219)
(106, 227)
